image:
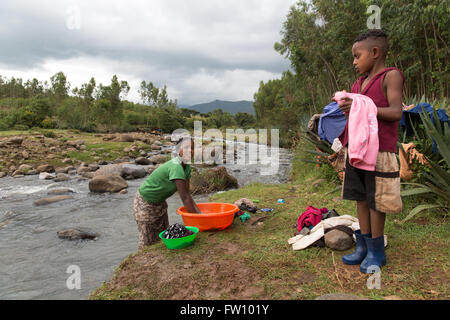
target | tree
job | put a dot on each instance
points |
(114, 93)
(59, 86)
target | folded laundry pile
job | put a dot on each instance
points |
(176, 231)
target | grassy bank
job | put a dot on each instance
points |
(253, 260)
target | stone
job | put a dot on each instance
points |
(49, 200)
(60, 191)
(3, 174)
(46, 176)
(111, 183)
(45, 168)
(25, 167)
(109, 170)
(25, 154)
(142, 161)
(75, 143)
(62, 170)
(17, 173)
(134, 171)
(338, 240)
(126, 138)
(158, 159)
(88, 175)
(155, 147)
(61, 177)
(76, 234)
(32, 172)
(82, 170)
(15, 140)
(67, 161)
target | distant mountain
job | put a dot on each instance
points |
(232, 107)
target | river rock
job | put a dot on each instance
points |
(158, 159)
(111, 183)
(60, 191)
(82, 169)
(131, 171)
(338, 240)
(88, 175)
(31, 172)
(76, 234)
(61, 177)
(46, 176)
(62, 170)
(155, 147)
(45, 168)
(25, 167)
(109, 169)
(3, 174)
(142, 161)
(49, 200)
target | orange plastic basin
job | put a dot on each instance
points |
(214, 216)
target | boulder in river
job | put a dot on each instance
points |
(109, 170)
(76, 234)
(158, 159)
(60, 191)
(46, 176)
(49, 200)
(130, 171)
(111, 183)
(142, 161)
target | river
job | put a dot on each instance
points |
(34, 262)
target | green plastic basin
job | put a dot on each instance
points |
(180, 242)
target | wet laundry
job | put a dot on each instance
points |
(176, 231)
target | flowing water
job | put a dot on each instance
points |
(35, 263)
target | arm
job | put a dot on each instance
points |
(393, 84)
(185, 196)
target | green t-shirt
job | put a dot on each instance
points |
(160, 185)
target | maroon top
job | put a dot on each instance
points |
(387, 130)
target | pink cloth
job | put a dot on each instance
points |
(310, 217)
(363, 143)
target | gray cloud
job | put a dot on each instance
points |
(164, 41)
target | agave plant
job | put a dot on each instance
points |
(437, 179)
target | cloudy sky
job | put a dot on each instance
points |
(201, 49)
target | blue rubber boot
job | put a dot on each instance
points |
(375, 255)
(361, 249)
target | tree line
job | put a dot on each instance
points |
(96, 107)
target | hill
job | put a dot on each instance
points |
(232, 107)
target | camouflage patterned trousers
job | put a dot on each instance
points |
(151, 219)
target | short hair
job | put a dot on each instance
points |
(377, 35)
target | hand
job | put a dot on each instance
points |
(345, 104)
